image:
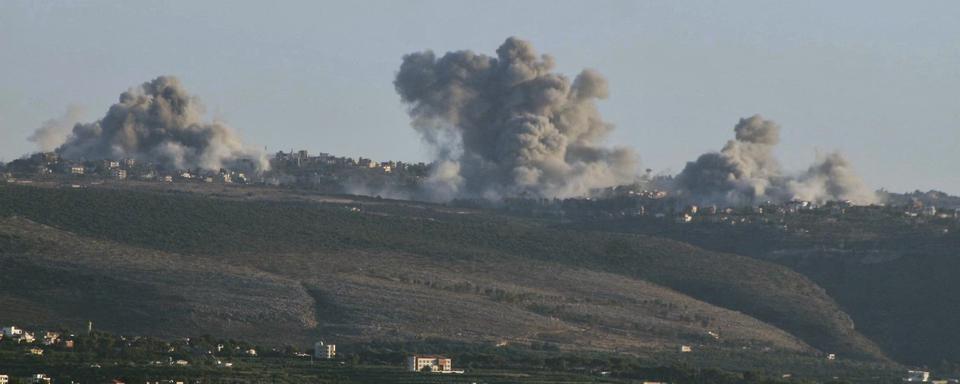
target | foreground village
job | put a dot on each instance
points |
(199, 360)
(98, 351)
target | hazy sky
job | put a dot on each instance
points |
(877, 80)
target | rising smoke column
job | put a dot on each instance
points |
(507, 126)
(160, 122)
(745, 172)
(831, 176)
(54, 132)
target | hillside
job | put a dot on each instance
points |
(164, 263)
(891, 272)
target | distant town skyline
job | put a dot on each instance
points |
(874, 80)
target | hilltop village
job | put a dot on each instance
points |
(635, 202)
(322, 171)
(326, 173)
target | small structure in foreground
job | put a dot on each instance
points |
(917, 376)
(324, 351)
(430, 363)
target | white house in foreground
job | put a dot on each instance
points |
(433, 363)
(324, 351)
(917, 376)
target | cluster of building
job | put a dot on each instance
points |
(34, 347)
(657, 204)
(303, 160)
(47, 165)
(731, 215)
(203, 348)
(294, 167)
(34, 343)
(918, 209)
(336, 174)
(39, 378)
(48, 339)
(919, 376)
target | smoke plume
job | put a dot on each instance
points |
(745, 172)
(508, 126)
(54, 132)
(160, 122)
(831, 176)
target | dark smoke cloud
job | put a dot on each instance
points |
(506, 125)
(746, 172)
(160, 122)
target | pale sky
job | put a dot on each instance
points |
(877, 80)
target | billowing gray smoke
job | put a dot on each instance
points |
(831, 177)
(160, 122)
(745, 172)
(508, 126)
(54, 132)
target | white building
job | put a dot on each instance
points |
(324, 351)
(51, 338)
(917, 376)
(431, 363)
(4, 379)
(119, 174)
(12, 331)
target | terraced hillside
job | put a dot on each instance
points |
(171, 264)
(892, 273)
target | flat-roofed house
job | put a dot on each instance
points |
(429, 363)
(322, 350)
